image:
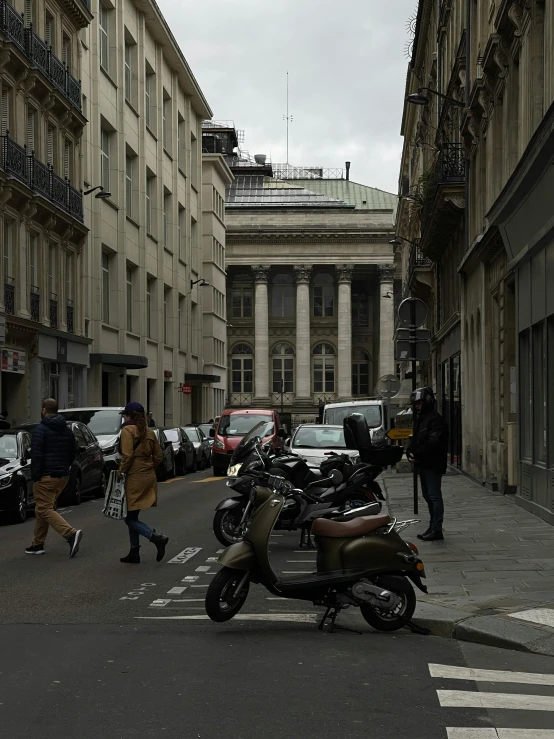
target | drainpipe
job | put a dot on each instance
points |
(468, 83)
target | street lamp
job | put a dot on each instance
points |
(418, 98)
(201, 283)
(396, 241)
(102, 195)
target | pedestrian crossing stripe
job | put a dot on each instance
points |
(488, 733)
(512, 701)
(492, 676)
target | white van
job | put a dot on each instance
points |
(375, 413)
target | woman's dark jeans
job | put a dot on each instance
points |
(431, 489)
(136, 528)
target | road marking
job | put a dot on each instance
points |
(300, 561)
(210, 479)
(276, 534)
(290, 617)
(493, 676)
(272, 598)
(203, 568)
(212, 559)
(200, 586)
(168, 482)
(160, 602)
(190, 578)
(65, 510)
(177, 591)
(298, 572)
(185, 555)
(543, 616)
(220, 551)
(469, 699)
(461, 733)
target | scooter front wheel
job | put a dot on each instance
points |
(383, 620)
(225, 526)
(221, 602)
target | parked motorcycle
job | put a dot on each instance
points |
(361, 562)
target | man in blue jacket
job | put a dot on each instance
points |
(52, 454)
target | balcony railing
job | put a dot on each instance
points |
(34, 297)
(449, 170)
(240, 399)
(53, 310)
(69, 316)
(40, 53)
(417, 259)
(40, 177)
(9, 296)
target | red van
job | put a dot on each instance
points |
(233, 426)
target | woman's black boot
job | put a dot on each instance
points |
(133, 557)
(160, 542)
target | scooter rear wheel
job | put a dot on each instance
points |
(221, 603)
(225, 525)
(389, 620)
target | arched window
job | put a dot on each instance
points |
(282, 296)
(241, 297)
(283, 368)
(360, 306)
(323, 368)
(324, 295)
(360, 372)
(242, 363)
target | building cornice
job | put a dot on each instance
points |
(218, 162)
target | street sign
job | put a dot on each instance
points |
(412, 351)
(418, 334)
(388, 386)
(186, 389)
(396, 434)
(412, 312)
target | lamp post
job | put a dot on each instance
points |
(201, 283)
(418, 98)
(101, 195)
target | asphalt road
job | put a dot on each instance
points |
(94, 648)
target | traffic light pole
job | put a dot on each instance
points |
(413, 328)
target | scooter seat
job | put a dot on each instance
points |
(347, 529)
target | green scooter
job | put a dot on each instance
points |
(361, 562)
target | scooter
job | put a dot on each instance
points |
(361, 562)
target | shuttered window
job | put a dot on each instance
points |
(68, 159)
(5, 112)
(33, 261)
(49, 30)
(31, 127)
(66, 51)
(29, 12)
(50, 145)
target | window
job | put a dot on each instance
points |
(52, 265)
(360, 307)
(68, 159)
(33, 262)
(103, 28)
(526, 396)
(324, 296)
(150, 98)
(181, 140)
(51, 145)
(283, 368)
(105, 287)
(31, 129)
(241, 298)
(129, 190)
(282, 296)
(193, 161)
(167, 315)
(69, 277)
(29, 12)
(360, 372)
(150, 202)
(540, 422)
(129, 281)
(6, 110)
(182, 235)
(167, 220)
(128, 73)
(323, 366)
(182, 322)
(49, 31)
(149, 288)
(66, 52)
(242, 363)
(7, 254)
(105, 159)
(166, 121)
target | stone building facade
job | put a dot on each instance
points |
(147, 255)
(42, 224)
(492, 261)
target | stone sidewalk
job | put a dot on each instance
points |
(492, 579)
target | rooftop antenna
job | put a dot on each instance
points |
(287, 117)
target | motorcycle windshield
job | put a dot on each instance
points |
(253, 437)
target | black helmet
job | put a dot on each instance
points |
(425, 395)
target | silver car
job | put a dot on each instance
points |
(105, 424)
(312, 441)
(201, 446)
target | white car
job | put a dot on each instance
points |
(105, 424)
(312, 441)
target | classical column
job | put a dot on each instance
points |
(386, 319)
(344, 277)
(302, 274)
(261, 334)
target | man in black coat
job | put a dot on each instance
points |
(52, 454)
(428, 449)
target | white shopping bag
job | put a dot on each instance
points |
(115, 502)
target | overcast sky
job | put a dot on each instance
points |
(347, 70)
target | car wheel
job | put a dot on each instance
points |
(77, 494)
(194, 464)
(20, 515)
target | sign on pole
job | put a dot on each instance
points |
(186, 389)
(388, 386)
(396, 434)
(412, 312)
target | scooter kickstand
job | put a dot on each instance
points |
(333, 626)
(325, 615)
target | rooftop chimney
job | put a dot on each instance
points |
(347, 170)
(260, 158)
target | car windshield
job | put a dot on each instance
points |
(192, 434)
(319, 438)
(8, 447)
(101, 422)
(205, 428)
(371, 413)
(239, 424)
(172, 434)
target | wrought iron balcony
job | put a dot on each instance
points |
(53, 310)
(40, 177)
(12, 24)
(34, 296)
(69, 316)
(9, 296)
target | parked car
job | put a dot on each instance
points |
(312, 441)
(16, 487)
(88, 475)
(233, 425)
(206, 429)
(201, 447)
(375, 413)
(105, 424)
(183, 449)
(166, 469)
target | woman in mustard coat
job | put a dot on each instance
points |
(140, 455)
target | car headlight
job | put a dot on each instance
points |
(5, 481)
(110, 449)
(378, 434)
(219, 444)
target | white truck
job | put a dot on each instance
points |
(375, 413)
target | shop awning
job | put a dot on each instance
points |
(200, 378)
(130, 361)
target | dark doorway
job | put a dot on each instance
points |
(105, 388)
(452, 407)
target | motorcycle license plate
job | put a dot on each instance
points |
(234, 470)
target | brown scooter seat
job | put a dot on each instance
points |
(347, 529)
